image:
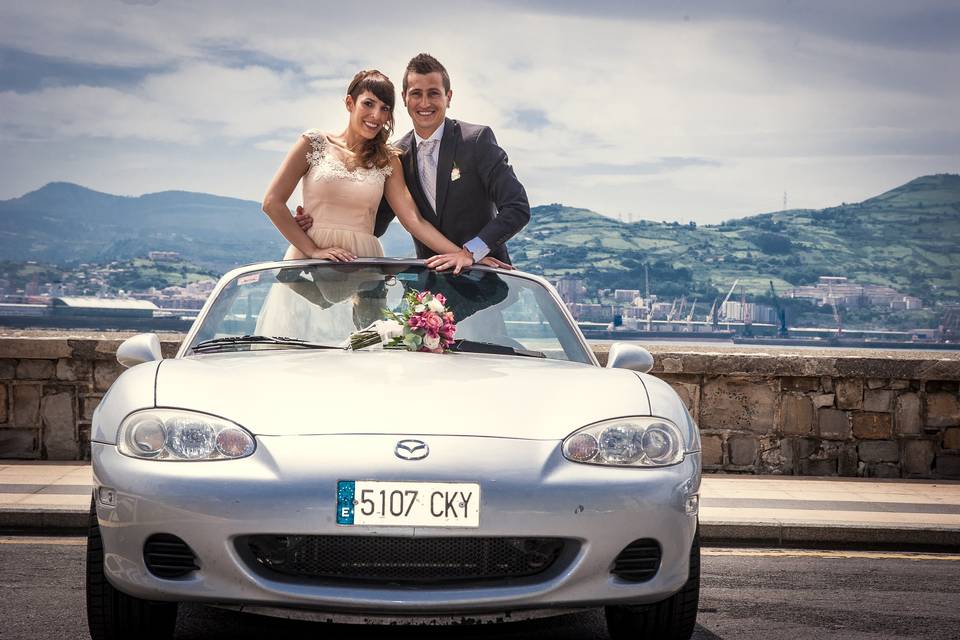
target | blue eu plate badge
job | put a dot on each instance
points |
(345, 493)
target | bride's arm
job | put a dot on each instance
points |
(400, 200)
(293, 168)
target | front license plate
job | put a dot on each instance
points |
(408, 504)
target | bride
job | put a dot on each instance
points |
(344, 177)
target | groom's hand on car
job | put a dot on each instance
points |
(497, 264)
(456, 261)
(303, 220)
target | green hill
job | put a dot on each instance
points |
(906, 238)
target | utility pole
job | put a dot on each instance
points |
(784, 200)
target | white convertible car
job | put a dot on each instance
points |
(268, 469)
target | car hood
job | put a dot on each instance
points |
(288, 392)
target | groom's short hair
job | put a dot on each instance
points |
(424, 63)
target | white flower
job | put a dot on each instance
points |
(431, 342)
(435, 306)
(420, 308)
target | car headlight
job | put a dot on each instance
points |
(627, 442)
(172, 434)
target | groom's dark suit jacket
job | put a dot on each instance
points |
(486, 200)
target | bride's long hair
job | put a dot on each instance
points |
(375, 153)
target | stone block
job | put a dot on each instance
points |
(878, 400)
(18, 444)
(3, 404)
(951, 439)
(733, 403)
(907, 414)
(872, 426)
(876, 383)
(59, 427)
(104, 373)
(34, 348)
(899, 384)
(743, 450)
(671, 365)
(35, 369)
(8, 369)
(26, 405)
(806, 447)
(826, 383)
(690, 394)
(943, 386)
(917, 457)
(72, 370)
(804, 383)
(89, 405)
(796, 414)
(948, 466)
(879, 451)
(712, 449)
(943, 410)
(848, 464)
(833, 424)
(881, 470)
(849, 393)
(826, 467)
(823, 400)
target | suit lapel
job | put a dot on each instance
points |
(448, 151)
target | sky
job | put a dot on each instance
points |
(660, 110)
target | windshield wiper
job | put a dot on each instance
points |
(472, 346)
(216, 344)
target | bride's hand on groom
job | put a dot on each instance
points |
(303, 220)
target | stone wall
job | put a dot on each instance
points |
(49, 388)
(782, 411)
(821, 413)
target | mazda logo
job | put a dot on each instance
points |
(411, 450)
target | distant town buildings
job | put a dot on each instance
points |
(842, 292)
(164, 256)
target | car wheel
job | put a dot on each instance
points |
(112, 614)
(670, 619)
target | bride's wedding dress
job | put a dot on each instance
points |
(343, 203)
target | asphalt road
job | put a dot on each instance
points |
(747, 594)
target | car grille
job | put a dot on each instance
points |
(639, 561)
(401, 560)
(167, 556)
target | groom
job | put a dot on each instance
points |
(458, 176)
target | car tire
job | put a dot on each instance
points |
(112, 614)
(670, 619)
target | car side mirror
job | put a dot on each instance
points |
(143, 347)
(624, 355)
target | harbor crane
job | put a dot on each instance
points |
(721, 313)
(693, 307)
(782, 330)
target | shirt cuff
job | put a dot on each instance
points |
(478, 248)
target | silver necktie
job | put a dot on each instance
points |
(428, 170)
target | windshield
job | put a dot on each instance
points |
(324, 304)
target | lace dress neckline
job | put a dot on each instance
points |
(326, 164)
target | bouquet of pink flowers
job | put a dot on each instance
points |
(425, 325)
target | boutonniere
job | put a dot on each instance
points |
(455, 173)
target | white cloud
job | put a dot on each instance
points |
(771, 106)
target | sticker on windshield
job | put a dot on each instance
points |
(250, 279)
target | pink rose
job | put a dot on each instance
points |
(441, 298)
(432, 322)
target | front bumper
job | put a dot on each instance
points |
(289, 485)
